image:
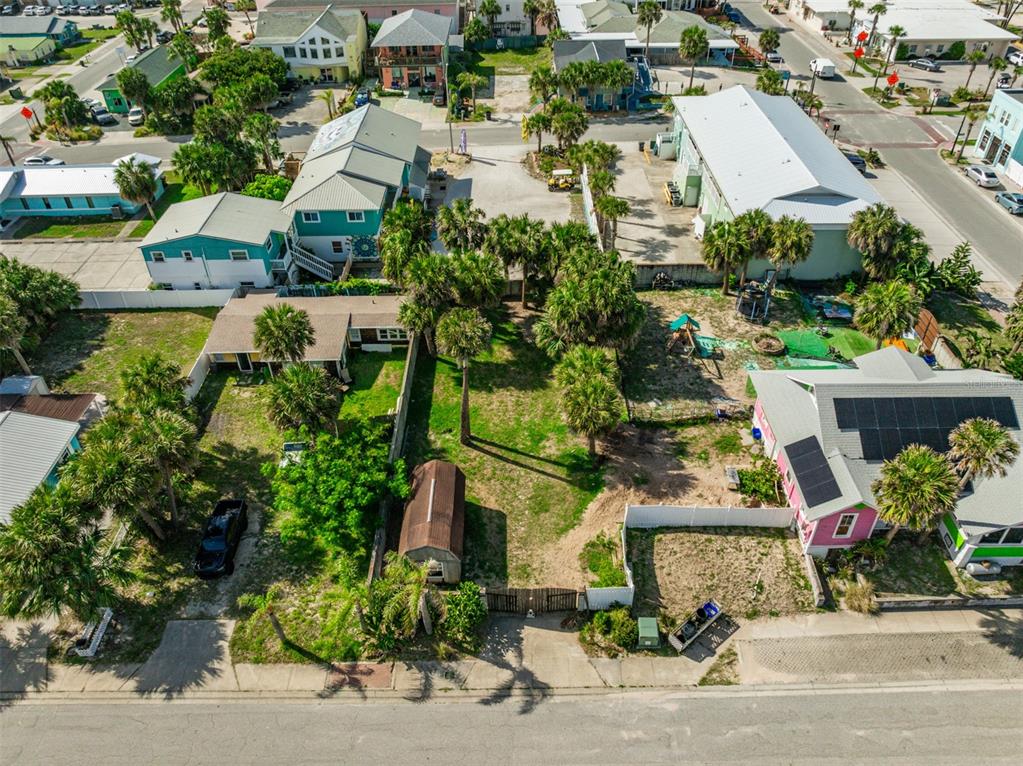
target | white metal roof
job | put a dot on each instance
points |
(73, 180)
(939, 20)
(764, 152)
(30, 447)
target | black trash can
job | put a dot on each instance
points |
(641, 145)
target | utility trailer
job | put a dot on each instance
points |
(694, 625)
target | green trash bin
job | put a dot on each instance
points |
(649, 637)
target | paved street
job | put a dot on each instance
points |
(922, 726)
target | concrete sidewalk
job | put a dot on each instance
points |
(531, 658)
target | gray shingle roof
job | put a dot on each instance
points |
(227, 216)
(414, 27)
(287, 26)
(30, 447)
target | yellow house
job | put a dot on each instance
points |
(323, 44)
(25, 51)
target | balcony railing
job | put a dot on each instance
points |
(387, 60)
(313, 263)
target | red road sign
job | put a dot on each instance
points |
(27, 113)
(858, 53)
(893, 78)
(862, 36)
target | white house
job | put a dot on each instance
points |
(326, 44)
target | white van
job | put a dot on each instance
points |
(823, 68)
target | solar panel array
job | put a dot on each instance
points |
(816, 481)
(886, 425)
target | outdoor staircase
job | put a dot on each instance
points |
(314, 264)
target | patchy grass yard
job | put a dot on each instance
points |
(69, 227)
(175, 192)
(509, 61)
(724, 671)
(376, 383)
(749, 571)
(960, 317)
(528, 479)
(91, 40)
(87, 350)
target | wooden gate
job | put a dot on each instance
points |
(539, 600)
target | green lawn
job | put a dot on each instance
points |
(958, 317)
(850, 343)
(92, 39)
(87, 350)
(520, 61)
(376, 383)
(75, 227)
(528, 479)
(175, 192)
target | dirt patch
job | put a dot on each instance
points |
(750, 572)
(511, 94)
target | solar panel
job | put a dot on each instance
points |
(983, 407)
(905, 413)
(845, 413)
(964, 408)
(935, 438)
(925, 417)
(816, 481)
(870, 443)
(885, 409)
(1005, 413)
(865, 417)
(945, 412)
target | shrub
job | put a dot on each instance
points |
(760, 482)
(859, 597)
(957, 273)
(696, 90)
(464, 613)
(269, 187)
(598, 558)
(624, 629)
(1013, 364)
(359, 286)
(602, 622)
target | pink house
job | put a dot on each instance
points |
(830, 431)
(411, 49)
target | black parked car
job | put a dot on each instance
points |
(220, 538)
(857, 162)
(164, 36)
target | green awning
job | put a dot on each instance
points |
(684, 320)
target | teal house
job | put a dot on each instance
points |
(159, 65)
(1000, 140)
(63, 32)
(70, 190)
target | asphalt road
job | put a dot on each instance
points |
(936, 726)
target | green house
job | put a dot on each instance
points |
(159, 65)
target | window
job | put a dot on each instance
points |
(186, 254)
(89, 202)
(310, 217)
(940, 49)
(289, 51)
(993, 537)
(355, 335)
(301, 52)
(46, 203)
(157, 256)
(985, 137)
(247, 284)
(24, 204)
(394, 13)
(912, 49)
(1013, 537)
(166, 286)
(845, 525)
(392, 333)
(337, 247)
(324, 41)
(1003, 156)
(326, 53)
(339, 52)
(67, 202)
(269, 244)
(197, 285)
(356, 216)
(239, 255)
(314, 53)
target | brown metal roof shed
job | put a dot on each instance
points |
(434, 522)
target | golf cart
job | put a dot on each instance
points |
(561, 180)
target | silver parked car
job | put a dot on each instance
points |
(982, 175)
(925, 64)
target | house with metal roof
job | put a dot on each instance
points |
(160, 65)
(223, 240)
(433, 527)
(357, 167)
(26, 51)
(56, 190)
(32, 449)
(830, 432)
(340, 323)
(61, 31)
(411, 49)
(327, 43)
(740, 149)
(375, 11)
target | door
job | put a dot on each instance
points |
(326, 75)
(244, 363)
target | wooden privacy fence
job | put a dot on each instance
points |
(539, 600)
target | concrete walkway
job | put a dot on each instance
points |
(531, 658)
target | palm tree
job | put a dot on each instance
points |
(463, 333)
(612, 209)
(531, 8)
(471, 81)
(397, 251)
(617, 76)
(327, 97)
(170, 11)
(260, 130)
(303, 395)
(421, 319)
(769, 81)
(981, 448)
(602, 182)
(568, 122)
(153, 382)
(995, 65)
(535, 125)
(170, 441)
(583, 362)
(973, 58)
(913, 488)
(571, 78)
(692, 46)
(854, 5)
(564, 238)
(491, 10)
(191, 161)
(769, 40)
(1017, 72)
(791, 241)
(136, 183)
(592, 407)
(886, 310)
(265, 605)
(649, 13)
(543, 83)
(246, 7)
(878, 10)
(51, 563)
(460, 225)
(12, 329)
(894, 33)
(479, 278)
(873, 232)
(283, 333)
(547, 15)
(757, 229)
(431, 279)
(722, 249)
(973, 115)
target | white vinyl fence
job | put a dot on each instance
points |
(654, 516)
(197, 375)
(589, 213)
(401, 408)
(154, 299)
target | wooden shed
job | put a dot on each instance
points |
(434, 522)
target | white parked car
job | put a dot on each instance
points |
(774, 58)
(43, 10)
(131, 58)
(982, 175)
(136, 116)
(43, 159)
(1016, 58)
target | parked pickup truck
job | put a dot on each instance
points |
(823, 68)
